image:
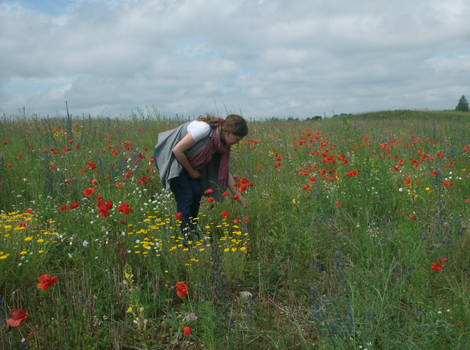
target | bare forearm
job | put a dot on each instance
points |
(183, 160)
(185, 143)
(231, 185)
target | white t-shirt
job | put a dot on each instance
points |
(198, 129)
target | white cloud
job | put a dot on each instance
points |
(266, 58)
(457, 64)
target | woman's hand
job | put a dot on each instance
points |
(231, 185)
(195, 174)
(243, 202)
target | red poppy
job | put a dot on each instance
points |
(5, 142)
(243, 187)
(186, 331)
(351, 173)
(412, 216)
(124, 208)
(73, 205)
(444, 259)
(91, 165)
(209, 191)
(103, 212)
(103, 208)
(181, 289)
(407, 181)
(52, 167)
(225, 194)
(63, 208)
(45, 281)
(120, 185)
(17, 317)
(224, 214)
(338, 203)
(178, 215)
(436, 267)
(210, 199)
(245, 220)
(94, 182)
(126, 175)
(88, 191)
(142, 180)
(235, 196)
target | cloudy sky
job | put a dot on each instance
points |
(261, 58)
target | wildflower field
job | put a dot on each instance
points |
(357, 236)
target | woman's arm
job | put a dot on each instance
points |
(185, 143)
(231, 185)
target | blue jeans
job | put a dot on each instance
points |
(188, 193)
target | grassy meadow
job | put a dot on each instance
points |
(357, 236)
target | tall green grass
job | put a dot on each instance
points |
(346, 217)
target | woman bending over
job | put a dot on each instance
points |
(193, 158)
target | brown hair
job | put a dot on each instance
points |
(234, 123)
(210, 119)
